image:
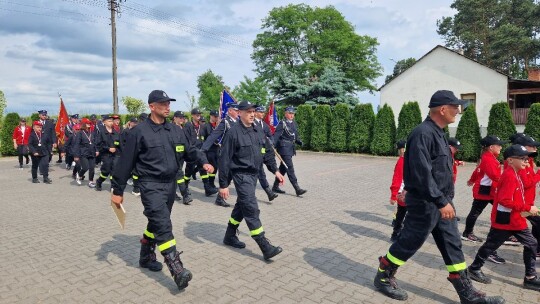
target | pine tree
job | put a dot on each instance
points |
(409, 117)
(468, 133)
(361, 130)
(320, 132)
(384, 132)
(339, 128)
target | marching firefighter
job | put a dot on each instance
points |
(39, 145)
(243, 151)
(155, 149)
(179, 119)
(217, 136)
(285, 137)
(213, 150)
(259, 115)
(107, 143)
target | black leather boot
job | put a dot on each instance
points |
(221, 202)
(208, 191)
(466, 291)
(269, 251)
(99, 182)
(231, 239)
(276, 188)
(147, 257)
(385, 280)
(211, 182)
(299, 191)
(185, 194)
(47, 180)
(181, 275)
(270, 193)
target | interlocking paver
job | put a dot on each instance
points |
(61, 243)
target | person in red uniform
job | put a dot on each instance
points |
(530, 180)
(397, 191)
(506, 219)
(21, 133)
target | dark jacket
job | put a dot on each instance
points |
(155, 153)
(39, 144)
(285, 137)
(244, 150)
(107, 140)
(427, 171)
(48, 127)
(84, 144)
(193, 132)
(206, 131)
(216, 136)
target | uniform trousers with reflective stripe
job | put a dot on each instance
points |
(246, 206)
(289, 170)
(107, 165)
(423, 218)
(158, 199)
(191, 170)
(262, 178)
(212, 156)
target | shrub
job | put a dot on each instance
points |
(6, 134)
(500, 121)
(339, 128)
(409, 117)
(320, 130)
(532, 127)
(361, 128)
(468, 133)
(384, 132)
(304, 119)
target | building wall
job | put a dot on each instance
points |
(445, 70)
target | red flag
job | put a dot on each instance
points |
(271, 117)
(61, 123)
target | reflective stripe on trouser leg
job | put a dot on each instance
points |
(158, 199)
(149, 234)
(102, 176)
(167, 245)
(246, 206)
(456, 267)
(422, 219)
(257, 231)
(135, 177)
(205, 176)
(234, 222)
(211, 175)
(394, 260)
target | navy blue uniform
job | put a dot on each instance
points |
(428, 179)
(212, 152)
(155, 152)
(48, 127)
(268, 134)
(285, 138)
(40, 143)
(243, 151)
(193, 133)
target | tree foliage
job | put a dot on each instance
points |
(384, 132)
(400, 67)
(339, 128)
(468, 133)
(255, 91)
(210, 87)
(133, 105)
(6, 134)
(305, 39)
(331, 88)
(304, 119)
(500, 121)
(532, 127)
(408, 118)
(3, 103)
(361, 129)
(321, 131)
(502, 34)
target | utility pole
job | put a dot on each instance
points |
(113, 7)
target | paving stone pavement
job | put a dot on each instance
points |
(60, 243)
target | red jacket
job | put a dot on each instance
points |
(488, 174)
(529, 179)
(397, 181)
(22, 139)
(509, 202)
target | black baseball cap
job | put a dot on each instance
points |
(75, 116)
(515, 136)
(93, 116)
(179, 114)
(143, 116)
(454, 143)
(23, 119)
(516, 151)
(246, 105)
(214, 113)
(133, 119)
(401, 144)
(159, 96)
(444, 97)
(526, 140)
(196, 111)
(106, 117)
(492, 140)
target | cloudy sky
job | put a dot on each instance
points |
(51, 46)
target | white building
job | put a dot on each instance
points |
(445, 69)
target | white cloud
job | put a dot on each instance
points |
(69, 52)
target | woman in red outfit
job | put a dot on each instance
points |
(397, 195)
(21, 133)
(506, 220)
